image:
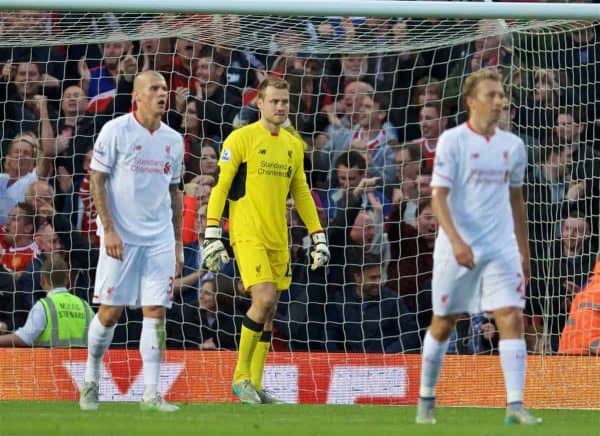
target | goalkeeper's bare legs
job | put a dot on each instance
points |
(264, 301)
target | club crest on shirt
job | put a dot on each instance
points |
(167, 168)
(226, 156)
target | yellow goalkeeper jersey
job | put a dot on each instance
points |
(258, 169)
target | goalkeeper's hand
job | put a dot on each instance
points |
(214, 252)
(320, 250)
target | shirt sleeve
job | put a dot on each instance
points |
(178, 164)
(105, 150)
(34, 326)
(517, 174)
(231, 158)
(303, 199)
(445, 163)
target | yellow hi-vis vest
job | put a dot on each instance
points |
(67, 321)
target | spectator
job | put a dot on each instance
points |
(48, 324)
(75, 133)
(432, 124)
(40, 196)
(103, 79)
(343, 114)
(536, 115)
(579, 58)
(372, 136)
(25, 108)
(368, 317)
(22, 166)
(546, 188)
(367, 233)
(16, 238)
(562, 275)
(29, 283)
(205, 325)
(426, 90)
(411, 268)
(407, 165)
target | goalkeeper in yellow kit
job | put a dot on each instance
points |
(260, 165)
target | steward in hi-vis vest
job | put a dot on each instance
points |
(58, 320)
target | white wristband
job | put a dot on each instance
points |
(212, 233)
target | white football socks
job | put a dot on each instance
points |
(152, 345)
(99, 339)
(513, 358)
(431, 364)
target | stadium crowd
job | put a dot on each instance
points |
(370, 124)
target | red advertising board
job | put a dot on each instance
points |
(195, 376)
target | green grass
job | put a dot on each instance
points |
(65, 419)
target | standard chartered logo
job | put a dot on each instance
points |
(274, 169)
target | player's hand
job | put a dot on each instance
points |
(463, 254)
(179, 258)
(214, 252)
(113, 244)
(320, 250)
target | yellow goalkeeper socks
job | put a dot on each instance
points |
(258, 360)
(251, 332)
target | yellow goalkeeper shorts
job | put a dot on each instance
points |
(259, 265)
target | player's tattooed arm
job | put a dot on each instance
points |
(100, 197)
(112, 241)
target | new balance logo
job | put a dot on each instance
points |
(258, 269)
(262, 151)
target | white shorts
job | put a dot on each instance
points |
(490, 285)
(143, 278)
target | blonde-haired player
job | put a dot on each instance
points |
(260, 165)
(481, 255)
(136, 170)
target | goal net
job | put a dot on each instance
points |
(369, 97)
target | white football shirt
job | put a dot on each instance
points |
(479, 171)
(141, 165)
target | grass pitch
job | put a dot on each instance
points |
(20, 418)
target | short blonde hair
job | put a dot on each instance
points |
(273, 82)
(475, 78)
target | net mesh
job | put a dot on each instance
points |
(370, 90)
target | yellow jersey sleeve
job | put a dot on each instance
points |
(232, 155)
(304, 202)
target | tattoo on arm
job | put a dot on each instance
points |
(177, 208)
(100, 197)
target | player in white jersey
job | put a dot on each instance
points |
(481, 255)
(136, 171)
